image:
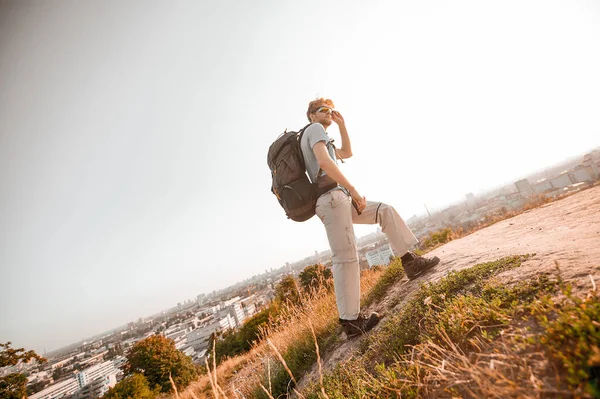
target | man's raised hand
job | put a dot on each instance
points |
(337, 118)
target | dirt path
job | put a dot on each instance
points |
(566, 231)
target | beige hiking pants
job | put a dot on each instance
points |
(338, 215)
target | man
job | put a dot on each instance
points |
(342, 206)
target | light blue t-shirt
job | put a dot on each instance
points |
(312, 135)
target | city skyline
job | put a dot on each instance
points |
(272, 269)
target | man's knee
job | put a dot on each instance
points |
(385, 210)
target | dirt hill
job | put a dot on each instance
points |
(564, 232)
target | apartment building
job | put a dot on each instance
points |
(380, 256)
(176, 331)
(58, 390)
(62, 363)
(198, 338)
(237, 312)
(226, 321)
(92, 373)
(96, 388)
(101, 377)
(249, 310)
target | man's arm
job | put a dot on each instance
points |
(346, 150)
(332, 170)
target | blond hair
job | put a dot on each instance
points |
(315, 104)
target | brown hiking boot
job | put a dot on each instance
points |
(353, 328)
(419, 265)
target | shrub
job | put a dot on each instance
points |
(286, 292)
(237, 342)
(133, 387)
(316, 277)
(157, 358)
(437, 238)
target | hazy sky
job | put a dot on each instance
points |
(134, 134)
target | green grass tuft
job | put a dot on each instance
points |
(392, 274)
(406, 327)
(572, 337)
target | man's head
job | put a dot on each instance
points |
(319, 111)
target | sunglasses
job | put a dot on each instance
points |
(325, 110)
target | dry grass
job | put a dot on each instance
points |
(319, 363)
(314, 320)
(225, 372)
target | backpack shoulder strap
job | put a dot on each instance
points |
(300, 148)
(302, 132)
(300, 135)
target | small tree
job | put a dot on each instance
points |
(14, 386)
(35, 387)
(59, 373)
(116, 350)
(236, 342)
(316, 277)
(156, 358)
(287, 291)
(133, 387)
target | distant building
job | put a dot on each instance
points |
(561, 181)
(198, 338)
(175, 332)
(58, 390)
(119, 361)
(592, 161)
(227, 322)
(91, 360)
(524, 187)
(582, 174)
(471, 201)
(230, 301)
(41, 376)
(96, 380)
(92, 373)
(188, 351)
(380, 256)
(542, 186)
(249, 310)
(237, 312)
(61, 363)
(96, 388)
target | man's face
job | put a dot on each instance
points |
(322, 115)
